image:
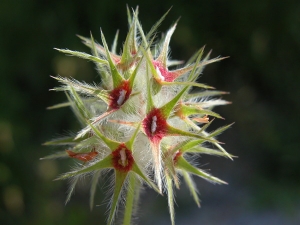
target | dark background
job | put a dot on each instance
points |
(262, 38)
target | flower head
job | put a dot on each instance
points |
(141, 120)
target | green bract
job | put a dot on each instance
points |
(141, 120)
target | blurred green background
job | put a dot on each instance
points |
(262, 38)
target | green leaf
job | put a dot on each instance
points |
(223, 150)
(84, 88)
(95, 180)
(93, 47)
(144, 39)
(129, 45)
(56, 155)
(130, 198)
(133, 75)
(163, 56)
(186, 145)
(87, 143)
(168, 107)
(187, 83)
(208, 151)
(169, 184)
(129, 144)
(196, 68)
(65, 141)
(60, 105)
(129, 17)
(137, 170)
(188, 110)
(150, 103)
(82, 55)
(203, 128)
(205, 94)
(150, 64)
(99, 48)
(219, 130)
(172, 131)
(114, 45)
(156, 25)
(110, 143)
(71, 188)
(102, 164)
(116, 76)
(193, 75)
(79, 105)
(119, 181)
(77, 112)
(192, 187)
(156, 86)
(105, 77)
(197, 55)
(186, 166)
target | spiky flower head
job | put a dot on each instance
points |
(141, 120)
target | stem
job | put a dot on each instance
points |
(170, 198)
(129, 199)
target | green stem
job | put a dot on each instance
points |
(129, 199)
(170, 198)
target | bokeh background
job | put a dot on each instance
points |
(262, 38)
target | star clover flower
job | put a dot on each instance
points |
(142, 120)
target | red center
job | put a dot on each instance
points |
(122, 158)
(155, 125)
(168, 76)
(119, 95)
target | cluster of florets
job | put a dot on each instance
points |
(141, 120)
